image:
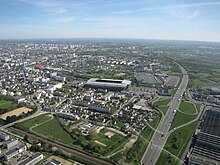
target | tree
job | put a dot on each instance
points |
(26, 138)
(92, 135)
(35, 148)
(174, 146)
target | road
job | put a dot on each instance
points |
(160, 136)
(37, 113)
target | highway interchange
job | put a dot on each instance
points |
(161, 135)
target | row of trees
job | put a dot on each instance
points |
(12, 107)
(14, 118)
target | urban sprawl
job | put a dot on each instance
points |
(106, 102)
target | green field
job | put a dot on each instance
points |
(181, 118)
(108, 141)
(120, 123)
(198, 106)
(162, 102)
(135, 154)
(32, 122)
(187, 107)
(154, 123)
(53, 130)
(113, 144)
(8, 105)
(164, 109)
(204, 79)
(166, 159)
(176, 144)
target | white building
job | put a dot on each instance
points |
(54, 87)
(34, 159)
(15, 151)
(4, 136)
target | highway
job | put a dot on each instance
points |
(161, 135)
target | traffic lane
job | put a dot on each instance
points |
(153, 153)
(168, 117)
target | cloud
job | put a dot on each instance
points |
(66, 20)
(56, 10)
(49, 6)
(183, 13)
(60, 6)
(202, 4)
(191, 16)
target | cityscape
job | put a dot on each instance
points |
(106, 100)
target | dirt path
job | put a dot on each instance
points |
(51, 118)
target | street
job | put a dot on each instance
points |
(160, 136)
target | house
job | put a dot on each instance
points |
(18, 99)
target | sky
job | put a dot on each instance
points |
(197, 20)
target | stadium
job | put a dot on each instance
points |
(109, 84)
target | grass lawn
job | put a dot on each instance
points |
(187, 107)
(118, 156)
(154, 123)
(205, 81)
(32, 122)
(108, 141)
(113, 144)
(53, 130)
(173, 91)
(176, 144)
(181, 118)
(162, 102)
(198, 106)
(120, 145)
(120, 123)
(4, 104)
(166, 159)
(164, 109)
(197, 82)
(179, 139)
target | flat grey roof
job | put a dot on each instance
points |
(30, 159)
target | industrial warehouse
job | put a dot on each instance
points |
(109, 84)
(207, 145)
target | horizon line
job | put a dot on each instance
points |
(123, 38)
